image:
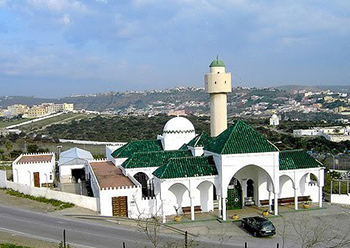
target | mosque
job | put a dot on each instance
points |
(184, 172)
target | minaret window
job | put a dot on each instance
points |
(215, 82)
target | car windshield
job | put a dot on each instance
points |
(267, 225)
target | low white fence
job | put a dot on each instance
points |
(89, 142)
(78, 200)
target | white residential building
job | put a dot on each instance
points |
(34, 169)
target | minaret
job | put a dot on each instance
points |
(217, 84)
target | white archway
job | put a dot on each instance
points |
(206, 195)
(179, 196)
(286, 184)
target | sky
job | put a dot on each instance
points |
(55, 48)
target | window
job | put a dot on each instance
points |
(50, 177)
(215, 82)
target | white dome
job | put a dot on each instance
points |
(274, 116)
(178, 125)
(176, 132)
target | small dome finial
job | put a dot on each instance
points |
(217, 57)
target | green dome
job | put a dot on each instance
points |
(217, 63)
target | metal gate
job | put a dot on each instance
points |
(120, 206)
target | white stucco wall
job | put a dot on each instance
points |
(340, 199)
(66, 172)
(2, 179)
(78, 200)
(105, 196)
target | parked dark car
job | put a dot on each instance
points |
(259, 226)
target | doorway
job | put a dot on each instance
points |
(234, 195)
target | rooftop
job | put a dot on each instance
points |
(217, 63)
(240, 138)
(187, 167)
(35, 159)
(108, 175)
(297, 159)
(137, 146)
(74, 153)
(153, 159)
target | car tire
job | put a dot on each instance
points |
(255, 234)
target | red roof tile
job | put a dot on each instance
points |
(35, 159)
(108, 175)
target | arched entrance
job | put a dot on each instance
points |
(234, 194)
(142, 178)
(179, 197)
(206, 195)
(250, 188)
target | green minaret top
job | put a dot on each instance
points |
(217, 63)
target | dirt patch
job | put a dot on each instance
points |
(24, 241)
(24, 203)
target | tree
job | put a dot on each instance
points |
(8, 146)
(305, 231)
(32, 148)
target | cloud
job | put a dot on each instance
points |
(58, 6)
(65, 19)
(149, 40)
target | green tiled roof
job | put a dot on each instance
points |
(137, 146)
(187, 167)
(297, 159)
(240, 138)
(152, 159)
(201, 140)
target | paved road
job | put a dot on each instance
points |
(85, 233)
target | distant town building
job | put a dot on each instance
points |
(36, 111)
(274, 120)
(335, 133)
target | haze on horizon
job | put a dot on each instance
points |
(54, 48)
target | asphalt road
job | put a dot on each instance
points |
(87, 233)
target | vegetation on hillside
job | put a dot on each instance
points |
(118, 128)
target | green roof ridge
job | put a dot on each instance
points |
(202, 139)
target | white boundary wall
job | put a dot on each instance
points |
(78, 200)
(2, 179)
(340, 199)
